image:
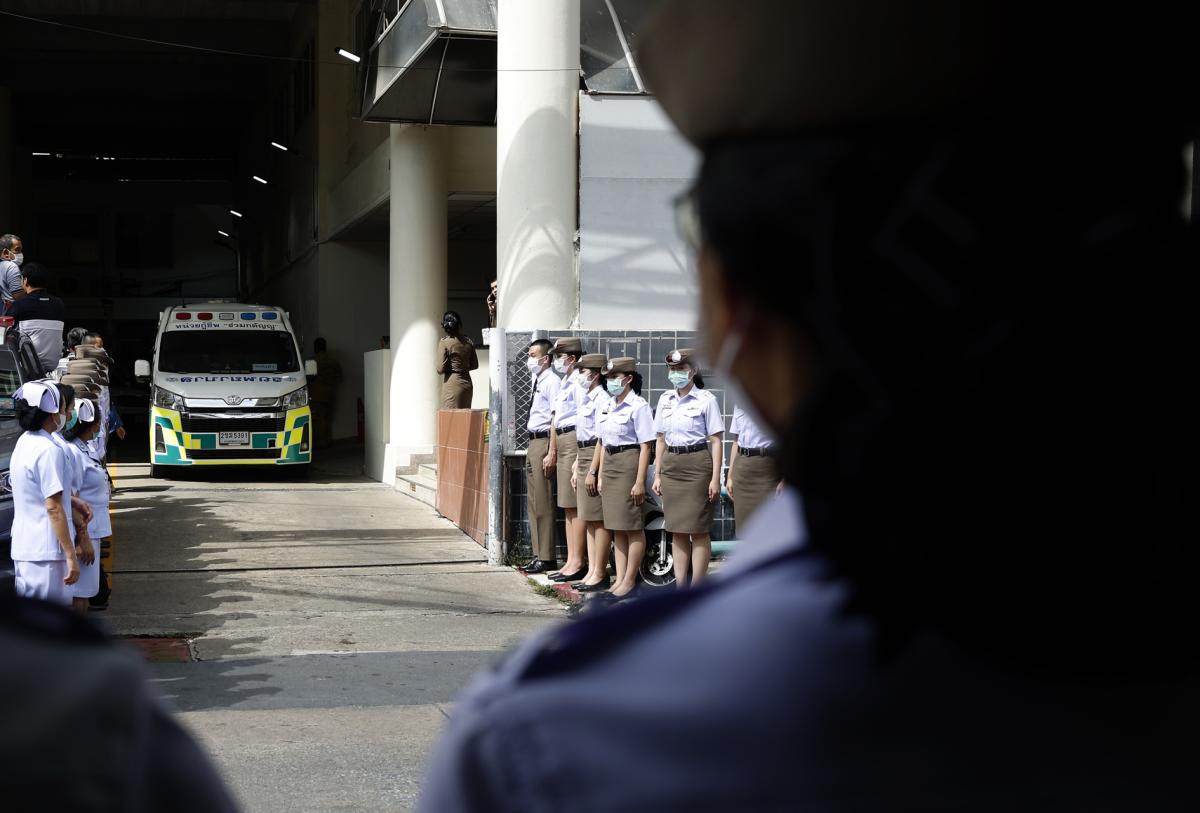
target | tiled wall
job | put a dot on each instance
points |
(462, 493)
(650, 349)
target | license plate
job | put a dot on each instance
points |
(233, 438)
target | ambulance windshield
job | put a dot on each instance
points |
(227, 351)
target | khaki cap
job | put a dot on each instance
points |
(681, 355)
(594, 361)
(622, 365)
(572, 346)
(726, 69)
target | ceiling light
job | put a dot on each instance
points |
(235, 213)
(42, 154)
(278, 146)
(260, 180)
(222, 233)
(352, 57)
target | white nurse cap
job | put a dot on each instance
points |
(41, 394)
(86, 409)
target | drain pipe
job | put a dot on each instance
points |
(498, 361)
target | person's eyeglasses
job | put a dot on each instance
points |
(687, 217)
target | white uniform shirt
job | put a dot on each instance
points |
(591, 405)
(627, 422)
(73, 481)
(566, 403)
(38, 471)
(10, 279)
(749, 436)
(95, 493)
(689, 420)
(541, 411)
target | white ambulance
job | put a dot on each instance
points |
(228, 388)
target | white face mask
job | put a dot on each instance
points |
(723, 370)
(19, 259)
(583, 380)
(534, 365)
(60, 420)
(560, 366)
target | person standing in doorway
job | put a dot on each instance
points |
(40, 315)
(539, 465)
(456, 359)
(322, 390)
(566, 354)
(12, 255)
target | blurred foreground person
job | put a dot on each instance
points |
(81, 729)
(940, 252)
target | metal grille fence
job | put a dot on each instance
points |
(518, 391)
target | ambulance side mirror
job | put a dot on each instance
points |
(141, 371)
(310, 368)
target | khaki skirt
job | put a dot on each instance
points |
(754, 482)
(620, 473)
(457, 391)
(590, 509)
(567, 452)
(685, 479)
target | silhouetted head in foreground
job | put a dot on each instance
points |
(953, 287)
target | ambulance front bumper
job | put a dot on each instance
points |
(207, 438)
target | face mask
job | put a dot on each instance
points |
(560, 366)
(19, 259)
(723, 371)
(60, 421)
(615, 386)
(534, 365)
(74, 419)
(583, 381)
(678, 378)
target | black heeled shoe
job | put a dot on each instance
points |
(540, 566)
(569, 577)
(598, 587)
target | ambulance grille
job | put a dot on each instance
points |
(233, 454)
(196, 425)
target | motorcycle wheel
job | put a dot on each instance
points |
(658, 566)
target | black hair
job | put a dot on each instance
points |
(75, 337)
(66, 395)
(961, 470)
(319, 345)
(36, 275)
(451, 323)
(636, 384)
(698, 380)
(542, 343)
(30, 418)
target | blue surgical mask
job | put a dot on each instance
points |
(615, 386)
(74, 419)
(678, 378)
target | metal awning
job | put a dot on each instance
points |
(434, 63)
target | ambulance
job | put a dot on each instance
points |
(227, 389)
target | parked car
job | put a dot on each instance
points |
(18, 364)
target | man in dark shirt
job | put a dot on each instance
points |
(40, 315)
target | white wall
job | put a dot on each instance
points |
(634, 270)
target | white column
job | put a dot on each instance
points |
(537, 162)
(416, 287)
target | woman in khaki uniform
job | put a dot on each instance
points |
(688, 474)
(627, 427)
(753, 457)
(456, 360)
(594, 400)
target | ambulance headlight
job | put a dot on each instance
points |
(296, 399)
(167, 399)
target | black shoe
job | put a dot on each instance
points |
(569, 577)
(541, 566)
(594, 588)
(529, 564)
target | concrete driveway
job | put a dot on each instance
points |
(331, 621)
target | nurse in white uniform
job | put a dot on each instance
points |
(95, 492)
(43, 547)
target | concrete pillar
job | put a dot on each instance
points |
(416, 286)
(537, 162)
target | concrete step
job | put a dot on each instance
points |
(419, 487)
(428, 470)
